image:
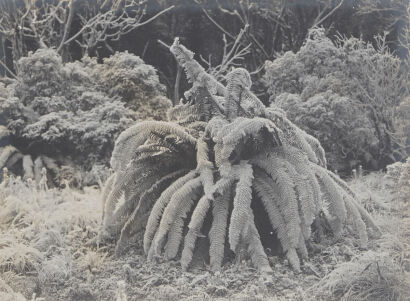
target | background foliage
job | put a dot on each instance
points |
(346, 94)
(75, 111)
(354, 110)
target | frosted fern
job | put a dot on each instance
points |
(201, 174)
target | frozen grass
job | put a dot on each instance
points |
(381, 273)
(39, 231)
(45, 249)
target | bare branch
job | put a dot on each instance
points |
(322, 19)
(8, 70)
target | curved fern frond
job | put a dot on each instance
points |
(292, 135)
(106, 191)
(198, 217)
(194, 71)
(130, 184)
(254, 246)
(180, 202)
(267, 190)
(355, 220)
(252, 105)
(317, 148)
(218, 231)
(128, 141)
(159, 206)
(9, 155)
(137, 221)
(4, 136)
(285, 188)
(333, 196)
(370, 223)
(241, 203)
(244, 128)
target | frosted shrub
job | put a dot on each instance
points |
(126, 75)
(57, 110)
(345, 94)
(73, 112)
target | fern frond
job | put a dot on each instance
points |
(302, 250)
(292, 135)
(252, 105)
(9, 155)
(354, 219)
(4, 136)
(237, 80)
(245, 128)
(217, 233)
(194, 71)
(197, 220)
(317, 148)
(181, 111)
(268, 192)
(306, 204)
(106, 191)
(128, 141)
(287, 199)
(301, 164)
(180, 202)
(136, 221)
(127, 189)
(176, 230)
(367, 218)
(204, 165)
(370, 223)
(214, 128)
(159, 206)
(333, 196)
(241, 203)
(254, 246)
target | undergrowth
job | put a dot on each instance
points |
(45, 254)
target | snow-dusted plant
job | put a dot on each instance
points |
(345, 93)
(56, 109)
(126, 75)
(203, 173)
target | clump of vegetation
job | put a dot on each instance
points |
(37, 227)
(345, 93)
(221, 156)
(126, 75)
(70, 114)
(370, 276)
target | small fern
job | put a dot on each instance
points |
(219, 153)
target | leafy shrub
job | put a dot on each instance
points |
(54, 109)
(125, 75)
(345, 94)
(75, 111)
